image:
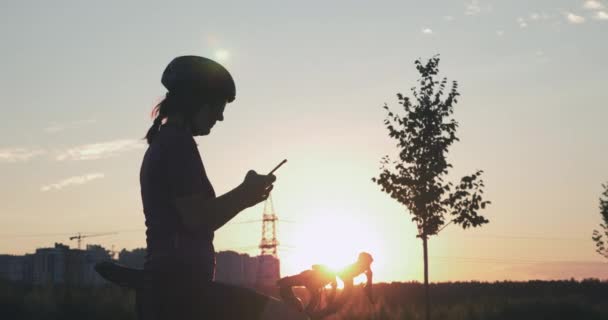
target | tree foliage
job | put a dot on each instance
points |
(600, 237)
(424, 131)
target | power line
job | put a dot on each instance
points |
(35, 235)
(257, 221)
(495, 236)
(40, 235)
(527, 237)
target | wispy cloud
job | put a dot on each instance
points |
(72, 181)
(539, 16)
(541, 56)
(522, 22)
(574, 19)
(534, 17)
(601, 15)
(500, 33)
(593, 5)
(472, 8)
(100, 150)
(56, 127)
(19, 154)
(448, 18)
(427, 31)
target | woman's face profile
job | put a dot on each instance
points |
(207, 116)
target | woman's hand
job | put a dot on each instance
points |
(256, 188)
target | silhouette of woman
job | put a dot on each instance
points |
(182, 210)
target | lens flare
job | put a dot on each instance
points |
(222, 55)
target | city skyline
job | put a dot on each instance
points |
(62, 265)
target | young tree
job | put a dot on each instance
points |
(423, 136)
(601, 245)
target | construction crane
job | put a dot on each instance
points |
(80, 236)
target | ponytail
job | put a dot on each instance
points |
(185, 103)
(158, 114)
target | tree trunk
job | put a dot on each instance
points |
(426, 279)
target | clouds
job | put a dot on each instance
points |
(596, 6)
(55, 127)
(553, 16)
(571, 16)
(522, 22)
(427, 31)
(533, 18)
(472, 8)
(593, 5)
(72, 181)
(601, 15)
(19, 154)
(574, 19)
(91, 151)
(99, 150)
(476, 7)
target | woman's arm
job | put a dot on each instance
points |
(198, 210)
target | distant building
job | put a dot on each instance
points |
(242, 270)
(61, 265)
(251, 271)
(133, 259)
(49, 265)
(268, 271)
(76, 261)
(94, 254)
(12, 267)
(80, 266)
(230, 267)
(28, 268)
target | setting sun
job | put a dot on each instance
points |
(222, 55)
(333, 238)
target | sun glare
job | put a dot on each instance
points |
(222, 55)
(331, 238)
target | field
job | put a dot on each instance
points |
(468, 300)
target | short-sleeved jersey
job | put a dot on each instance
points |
(171, 168)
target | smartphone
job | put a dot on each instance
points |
(278, 166)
